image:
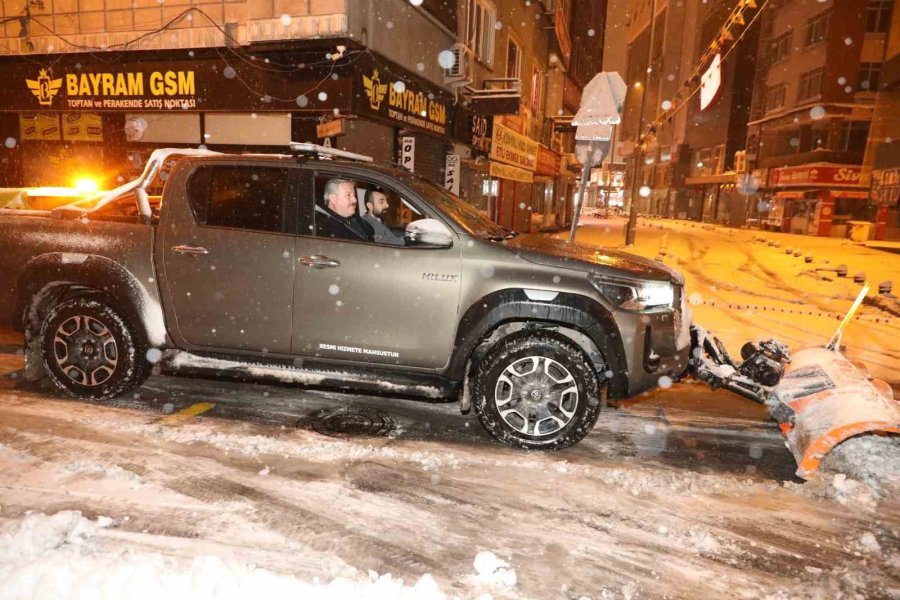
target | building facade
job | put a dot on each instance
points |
(95, 85)
(883, 150)
(654, 75)
(813, 112)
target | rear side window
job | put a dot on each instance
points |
(239, 196)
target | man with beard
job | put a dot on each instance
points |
(338, 217)
(376, 206)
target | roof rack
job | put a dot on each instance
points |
(325, 152)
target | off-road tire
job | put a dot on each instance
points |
(551, 347)
(131, 367)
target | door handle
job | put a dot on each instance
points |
(191, 250)
(317, 261)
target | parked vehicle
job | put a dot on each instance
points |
(227, 271)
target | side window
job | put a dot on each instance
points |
(360, 210)
(239, 196)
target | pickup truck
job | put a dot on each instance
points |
(232, 270)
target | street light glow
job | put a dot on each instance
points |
(86, 186)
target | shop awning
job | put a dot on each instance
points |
(721, 178)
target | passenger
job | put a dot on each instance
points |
(376, 206)
(338, 218)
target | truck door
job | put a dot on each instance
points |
(374, 302)
(228, 257)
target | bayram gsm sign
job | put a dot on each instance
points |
(162, 89)
(173, 89)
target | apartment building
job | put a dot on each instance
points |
(811, 118)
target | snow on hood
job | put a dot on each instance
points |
(553, 252)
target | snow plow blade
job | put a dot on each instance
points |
(824, 399)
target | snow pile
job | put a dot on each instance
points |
(51, 557)
(869, 543)
(492, 570)
(873, 460)
(92, 468)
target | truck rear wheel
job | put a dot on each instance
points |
(537, 390)
(90, 351)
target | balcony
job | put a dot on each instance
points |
(813, 156)
(500, 96)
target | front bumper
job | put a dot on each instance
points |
(656, 344)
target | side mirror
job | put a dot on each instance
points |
(429, 233)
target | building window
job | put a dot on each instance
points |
(810, 84)
(481, 25)
(817, 28)
(513, 60)
(869, 74)
(854, 136)
(878, 16)
(775, 97)
(781, 47)
(537, 91)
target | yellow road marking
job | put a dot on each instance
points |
(188, 413)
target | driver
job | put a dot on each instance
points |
(338, 218)
(376, 207)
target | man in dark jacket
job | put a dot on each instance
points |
(338, 218)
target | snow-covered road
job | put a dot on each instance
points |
(742, 287)
(681, 493)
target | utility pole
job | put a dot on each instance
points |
(638, 152)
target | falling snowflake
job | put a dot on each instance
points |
(399, 87)
(667, 105)
(446, 59)
(322, 96)
(10, 142)
(302, 101)
(285, 20)
(229, 72)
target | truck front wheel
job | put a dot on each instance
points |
(537, 390)
(90, 351)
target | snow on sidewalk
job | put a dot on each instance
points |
(61, 556)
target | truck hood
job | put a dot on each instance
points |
(553, 252)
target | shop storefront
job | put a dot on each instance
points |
(78, 113)
(818, 199)
(545, 191)
(713, 198)
(476, 185)
(886, 197)
(514, 159)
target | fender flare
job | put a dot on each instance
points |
(568, 310)
(99, 273)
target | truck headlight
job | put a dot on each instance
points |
(634, 294)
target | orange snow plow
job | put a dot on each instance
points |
(818, 396)
(824, 399)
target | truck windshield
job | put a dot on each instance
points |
(459, 210)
